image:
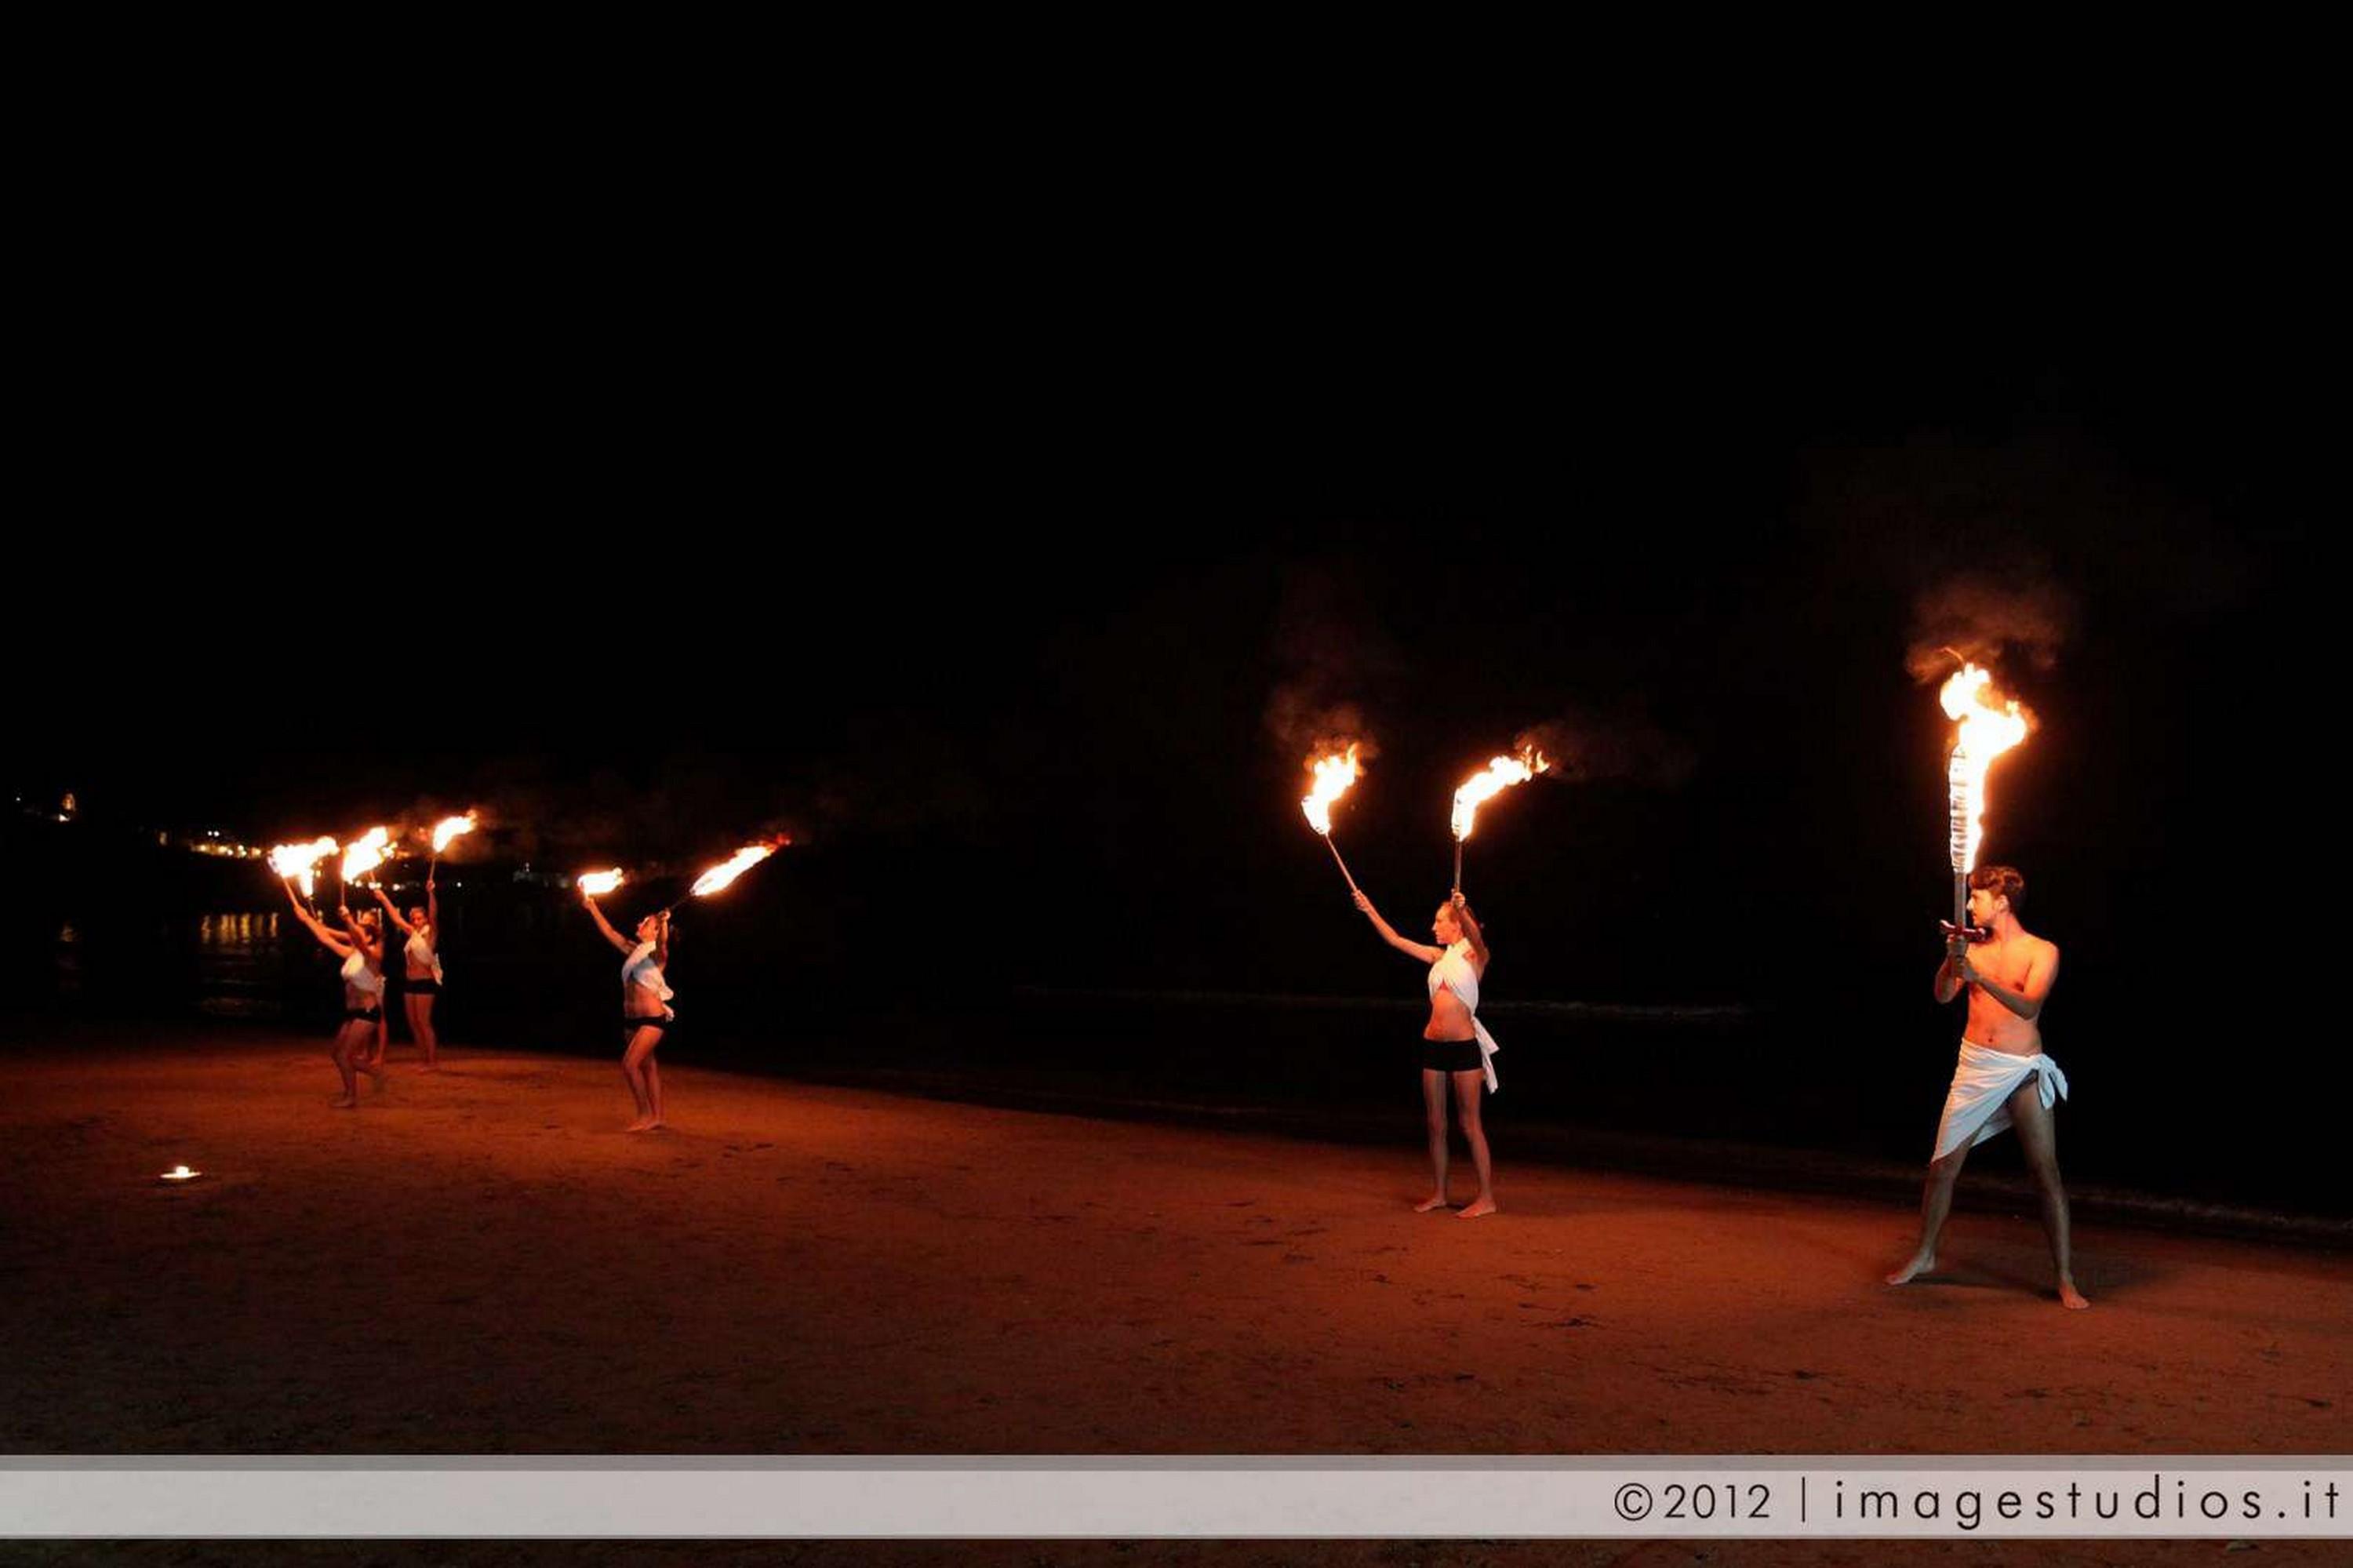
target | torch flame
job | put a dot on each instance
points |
(1991, 725)
(735, 866)
(599, 882)
(451, 828)
(1501, 773)
(1333, 772)
(367, 854)
(301, 862)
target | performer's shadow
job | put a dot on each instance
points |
(2100, 1281)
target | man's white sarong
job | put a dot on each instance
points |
(1978, 1106)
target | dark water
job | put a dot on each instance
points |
(525, 969)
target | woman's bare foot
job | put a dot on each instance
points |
(2071, 1297)
(344, 1102)
(1920, 1263)
(1478, 1206)
(1435, 1200)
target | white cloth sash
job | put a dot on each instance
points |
(1454, 972)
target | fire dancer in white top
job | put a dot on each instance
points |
(2003, 1078)
(1455, 1047)
(645, 1012)
(422, 954)
(362, 951)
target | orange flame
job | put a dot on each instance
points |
(1501, 773)
(451, 828)
(599, 882)
(1334, 771)
(364, 857)
(301, 862)
(735, 866)
(1991, 725)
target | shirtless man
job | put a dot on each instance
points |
(2003, 1077)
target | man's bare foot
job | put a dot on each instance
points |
(1478, 1206)
(2071, 1297)
(1921, 1263)
(344, 1102)
(1435, 1200)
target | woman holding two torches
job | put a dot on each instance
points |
(362, 949)
(421, 956)
(645, 1012)
(1457, 1050)
(1455, 1047)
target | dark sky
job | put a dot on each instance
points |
(1021, 581)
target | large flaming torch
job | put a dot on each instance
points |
(718, 876)
(598, 884)
(368, 853)
(1334, 771)
(1989, 725)
(1501, 773)
(450, 829)
(300, 863)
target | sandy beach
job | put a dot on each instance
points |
(480, 1260)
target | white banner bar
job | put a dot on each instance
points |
(1954, 1497)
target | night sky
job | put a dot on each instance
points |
(1013, 618)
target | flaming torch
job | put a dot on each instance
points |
(367, 854)
(597, 884)
(300, 863)
(1501, 773)
(448, 828)
(720, 875)
(1334, 771)
(1990, 725)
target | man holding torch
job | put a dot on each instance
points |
(2003, 1078)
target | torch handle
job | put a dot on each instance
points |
(1958, 926)
(1344, 864)
(1458, 866)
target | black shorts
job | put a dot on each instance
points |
(423, 987)
(1452, 1055)
(353, 1015)
(629, 1026)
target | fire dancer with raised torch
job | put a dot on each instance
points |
(1456, 1048)
(421, 953)
(2003, 1078)
(363, 957)
(359, 860)
(646, 1011)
